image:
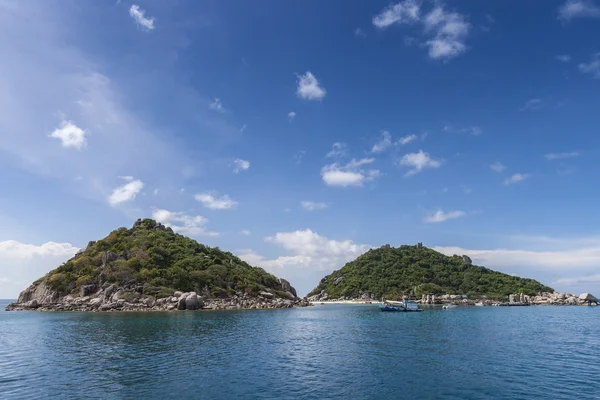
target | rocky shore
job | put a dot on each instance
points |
(551, 299)
(112, 298)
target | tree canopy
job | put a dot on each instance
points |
(392, 272)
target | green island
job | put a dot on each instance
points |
(393, 272)
(150, 267)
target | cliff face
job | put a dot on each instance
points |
(392, 272)
(151, 267)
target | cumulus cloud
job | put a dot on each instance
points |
(193, 225)
(561, 156)
(406, 140)
(404, 12)
(563, 58)
(245, 232)
(313, 206)
(418, 162)
(70, 135)
(291, 115)
(441, 216)
(23, 263)
(139, 16)
(350, 174)
(497, 166)
(126, 192)
(313, 251)
(578, 9)
(215, 202)
(383, 143)
(309, 88)
(592, 67)
(240, 165)
(445, 32)
(515, 178)
(338, 149)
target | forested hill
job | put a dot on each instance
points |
(391, 272)
(154, 260)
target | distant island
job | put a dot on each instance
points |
(417, 271)
(149, 267)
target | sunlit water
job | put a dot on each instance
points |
(322, 352)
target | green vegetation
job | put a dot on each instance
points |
(392, 272)
(152, 259)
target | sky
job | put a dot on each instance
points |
(298, 135)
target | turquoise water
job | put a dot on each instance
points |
(327, 352)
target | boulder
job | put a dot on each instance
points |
(177, 293)
(108, 256)
(192, 302)
(287, 287)
(338, 280)
(267, 295)
(42, 293)
(467, 259)
(33, 304)
(87, 290)
(587, 297)
(181, 301)
(95, 302)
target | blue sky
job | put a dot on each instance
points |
(300, 134)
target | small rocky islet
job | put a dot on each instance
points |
(151, 268)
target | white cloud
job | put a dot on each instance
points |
(586, 280)
(418, 162)
(70, 135)
(530, 105)
(338, 149)
(298, 156)
(214, 202)
(127, 178)
(406, 140)
(441, 216)
(183, 223)
(497, 166)
(350, 174)
(313, 206)
(578, 9)
(404, 12)
(516, 178)
(593, 67)
(308, 87)
(451, 29)
(383, 143)
(563, 58)
(155, 192)
(291, 115)
(311, 251)
(140, 19)
(126, 192)
(243, 128)
(561, 156)
(241, 165)
(21, 263)
(245, 232)
(216, 105)
(446, 32)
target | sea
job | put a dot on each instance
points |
(320, 352)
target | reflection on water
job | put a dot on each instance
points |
(333, 351)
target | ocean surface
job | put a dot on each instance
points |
(321, 352)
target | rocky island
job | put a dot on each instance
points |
(423, 274)
(151, 268)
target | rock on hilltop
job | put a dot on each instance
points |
(149, 267)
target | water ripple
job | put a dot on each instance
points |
(333, 352)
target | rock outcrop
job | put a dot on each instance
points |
(113, 298)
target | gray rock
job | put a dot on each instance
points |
(467, 259)
(87, 290)
(338, 280)
(108, 256)
(181, 301)
(95, 302)
(33, 304)
(287, 287)
(177, 293)
(267, 295)
(42, 293)
(192, 302)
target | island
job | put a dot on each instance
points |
(151, 268)
(430, 277)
